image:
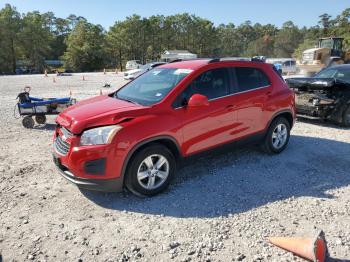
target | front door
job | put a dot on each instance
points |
(207, 126)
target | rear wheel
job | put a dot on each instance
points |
(28, 122)
(40, 119)
(277, 137)
(346, 117)
(150, 170)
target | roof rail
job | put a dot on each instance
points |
(192, 59)
(175, 60)
(214, 60)
(253, 59)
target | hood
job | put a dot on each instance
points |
(311, 50)
(98, 111)
(314, 83)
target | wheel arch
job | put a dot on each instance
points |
(287, 114)
(165, 140)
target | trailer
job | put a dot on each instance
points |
(29, 107)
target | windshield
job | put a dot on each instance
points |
(153, 86)
(340, 73)
(326, 43)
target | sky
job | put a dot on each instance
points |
(106, 12)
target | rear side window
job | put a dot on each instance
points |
(249, 78)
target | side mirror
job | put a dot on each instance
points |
(198, 100)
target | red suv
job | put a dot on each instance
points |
(134, 136)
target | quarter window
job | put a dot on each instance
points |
(249, 78)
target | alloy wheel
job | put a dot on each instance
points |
(153, 171)
(279, 136)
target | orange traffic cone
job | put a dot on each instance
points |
(312, 249)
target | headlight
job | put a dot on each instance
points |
(99, 135)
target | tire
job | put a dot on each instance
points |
(346, 117)
(40, 119)
(28, 122)
(143, 178)
(277, 136)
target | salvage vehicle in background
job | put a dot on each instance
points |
(328, 53)
(134, 136)
(132, 74)
(288, 65)
(133, 64)
(326, 95)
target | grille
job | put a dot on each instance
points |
(61, 146)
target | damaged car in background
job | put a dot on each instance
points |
(326, 95)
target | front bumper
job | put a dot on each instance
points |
(106, 185)
(91, 167)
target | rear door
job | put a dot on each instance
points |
(207, 126)
(253, 88)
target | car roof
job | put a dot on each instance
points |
(198, 63)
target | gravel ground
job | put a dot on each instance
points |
(221, 206)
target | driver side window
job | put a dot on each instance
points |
(212, 84)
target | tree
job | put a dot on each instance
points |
(10, 24)
(35, 38)
(325, 22)
(85, 47)
(116, 46)
(287, 40)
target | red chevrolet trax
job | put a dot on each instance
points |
(133, 137)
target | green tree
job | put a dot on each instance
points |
(85, 47)
(35, 38)
(10, 25)
(287, 40)
(116, 46)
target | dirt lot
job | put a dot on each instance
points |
(221, 207)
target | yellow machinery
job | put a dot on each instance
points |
(329, 52)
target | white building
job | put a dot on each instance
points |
(170, 55)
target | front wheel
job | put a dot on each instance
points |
(277, 137)
(150, 170)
